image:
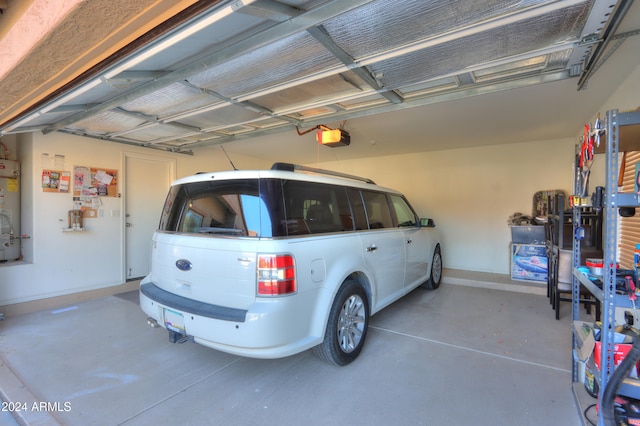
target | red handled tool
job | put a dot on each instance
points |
(631, 291)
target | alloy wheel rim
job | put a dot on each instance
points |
(437, 268)
(351, 323)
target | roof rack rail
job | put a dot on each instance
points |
(293, 167)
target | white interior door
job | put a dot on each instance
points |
(147, 181)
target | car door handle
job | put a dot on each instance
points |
(372, 248)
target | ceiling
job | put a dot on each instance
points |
(399, 75)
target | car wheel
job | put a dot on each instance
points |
(347, 325)
(436, 270)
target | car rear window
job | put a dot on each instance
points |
(226, 207)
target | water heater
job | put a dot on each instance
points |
(9, 210)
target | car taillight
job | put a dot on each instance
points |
(276, 275)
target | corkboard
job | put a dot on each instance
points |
(95, 182)
(56, 181)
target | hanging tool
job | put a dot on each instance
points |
(598, 130)
(631, 291)
(584, 146)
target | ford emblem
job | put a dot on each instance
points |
(183, 264)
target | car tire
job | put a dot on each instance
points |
(347, 325)
(436, 271)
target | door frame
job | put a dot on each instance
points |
(172, 163)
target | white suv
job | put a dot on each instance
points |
(270, 263)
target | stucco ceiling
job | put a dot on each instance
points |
(399, 76)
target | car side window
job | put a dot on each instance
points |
(404, 213)
(314, 208)
(378, 212)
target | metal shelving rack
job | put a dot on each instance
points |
(612, 200)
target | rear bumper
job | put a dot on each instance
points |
(270, 328)
(191, 306)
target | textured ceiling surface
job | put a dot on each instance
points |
(241, 69)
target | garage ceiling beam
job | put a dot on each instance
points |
(271, 10)
(150, 121)
(323, 38)
(62, 109)
(616, 18)
(129, 76)
(127, 142)
(278, 12)
(465, 79)
(251, 106)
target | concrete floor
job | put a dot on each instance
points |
(457, 355)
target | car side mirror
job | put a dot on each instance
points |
(427, 223)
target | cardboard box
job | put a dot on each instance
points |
(585, 339)
(529, 262)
